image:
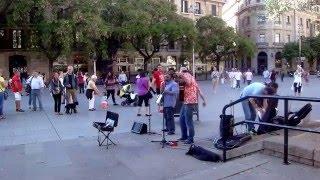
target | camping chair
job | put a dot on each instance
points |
(296, 117)
(106, 128)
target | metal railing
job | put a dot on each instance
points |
(286, 128)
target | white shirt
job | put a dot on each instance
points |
(266, 74)
(35, 82)
(238, 75)
(297, 78)
(249, 76)
(122, 78)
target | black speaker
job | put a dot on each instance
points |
(226, 126)
(139, 128)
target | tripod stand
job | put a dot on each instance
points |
(149, 121)
(163, 142)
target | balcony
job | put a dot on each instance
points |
(262, 44)
(278, 44)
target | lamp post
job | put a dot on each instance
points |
(192, 10)
(300, 44)
(93, 57)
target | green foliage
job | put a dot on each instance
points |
(291, 51)
(213, 32)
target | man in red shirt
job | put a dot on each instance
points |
(17, 87)
(158, 79)
(190, 103)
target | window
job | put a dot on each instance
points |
(171, 45)
(138, 64)
(248, 20)
(301, 22)
(308, 23)
(288, 19)
(261, 19)
(258, 1)
(288, 38)
(184, 6)
(262, 38)
(197, 8)
(214, 10)
(16, 39)
(278, 20)
(277, 38)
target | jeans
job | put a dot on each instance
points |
(57, 102)
(186, 122)
(30, 99)
(249, 113)
(168, 113)
(238, 83)
(112, 93)
(36, 94)
(81, 88)
(1, 103)
(248, 82)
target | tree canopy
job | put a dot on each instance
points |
(216, 40)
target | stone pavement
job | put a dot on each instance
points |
(41, 145)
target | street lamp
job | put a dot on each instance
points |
(193, 10)
(93, 57)
(300, 43)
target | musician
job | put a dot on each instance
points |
(190, 101)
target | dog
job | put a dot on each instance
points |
(71, 108)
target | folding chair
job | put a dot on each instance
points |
(105, 129)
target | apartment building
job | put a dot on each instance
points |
(271, 34)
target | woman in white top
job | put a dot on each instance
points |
(297, 82)
(215, 75)
(91, 91)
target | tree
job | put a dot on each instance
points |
(60, 26)
(245, 47)
(212, 34)
(291, 51)
(277, 7)
(150, 24)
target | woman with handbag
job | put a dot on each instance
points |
(143, 92)
(56, 89)
(111, 86)
(3, 86)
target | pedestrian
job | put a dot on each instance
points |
(273, 76)
(190, 103)
(282, 74)
(238, 76)
(215, 75)
(158, 78)
(297, 82)
(143, 92)
(86, 79)
(249, 76)
(36, 84)
(80, 80)
(16, 87)
(71, 84)
(91, 91)
(122, 78)
(170, 95)
(28, 90)
(253, 105)
(61, 78)
(266, 76)
(306, 75)
(56, 89)
(3, 86)
(111, 86)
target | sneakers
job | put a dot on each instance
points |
(189, 141)
(171, 133)
(182, 139)
(19, 110)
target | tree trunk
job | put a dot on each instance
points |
(51, 66)
(145, 64)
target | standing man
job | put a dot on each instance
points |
(249, 76)
(3, 86)
(36, 83)
(17, 87)
(170, 95)
(238, 76)
(158, 79)
(70, 82)
(266, 76)
(190, 101)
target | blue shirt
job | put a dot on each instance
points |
(253, 89)
(170, 94)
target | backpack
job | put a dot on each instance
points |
(28, 86)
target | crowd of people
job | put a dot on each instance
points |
(171, 86)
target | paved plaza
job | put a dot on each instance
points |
(41, 145)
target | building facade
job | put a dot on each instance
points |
(271, 34)
(15, 47)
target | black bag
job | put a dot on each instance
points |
(233, 141)
(149, 95)
(89, 93)
(28, 88)
(202, 154)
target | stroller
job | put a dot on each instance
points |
(130, 97)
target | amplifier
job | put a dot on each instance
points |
(139, 128)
